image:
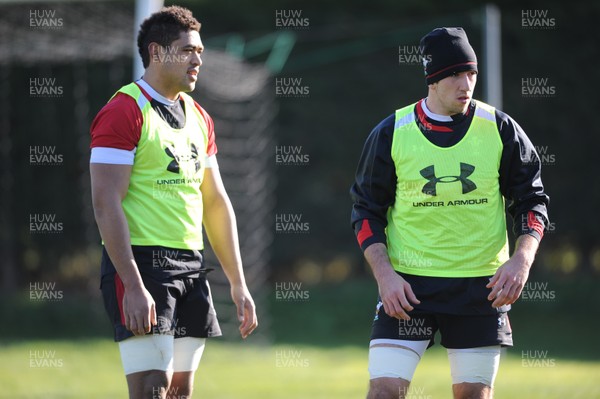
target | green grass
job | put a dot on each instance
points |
(319, 350)
(92, 369)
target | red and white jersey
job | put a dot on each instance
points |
(116, 129)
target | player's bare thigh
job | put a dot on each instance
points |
(387, 387)
(148, 384)
(468, 390)
(392, 364)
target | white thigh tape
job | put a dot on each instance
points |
(150, 352)
(474, 365)
(187, 353)
(395, 358)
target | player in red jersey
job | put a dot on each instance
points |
(155, 183)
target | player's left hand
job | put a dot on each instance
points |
(246, 311)
(508, 282)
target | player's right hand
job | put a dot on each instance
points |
(246, 309)
(396, 295)
(139, 310)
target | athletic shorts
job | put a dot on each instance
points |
(177, 282)
(474, 322)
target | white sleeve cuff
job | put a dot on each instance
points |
(113, 156)
(211, 162)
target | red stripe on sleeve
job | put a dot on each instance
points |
(120, 290)
(535, 224)
(211, 148)
(364, 232)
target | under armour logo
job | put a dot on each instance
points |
(466, 170)
(174, 165)
(501, 321)
(379, 305)
(425, 61)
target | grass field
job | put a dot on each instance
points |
(319, 350)
(91, 369)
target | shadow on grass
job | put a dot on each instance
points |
(564, 323)
(558, 317)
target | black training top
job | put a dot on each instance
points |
(373, 191)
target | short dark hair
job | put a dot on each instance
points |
(164, 27)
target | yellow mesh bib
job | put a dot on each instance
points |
(448, 219)
(163, 205)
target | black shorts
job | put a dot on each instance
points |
(178, 285)
(472, 321)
